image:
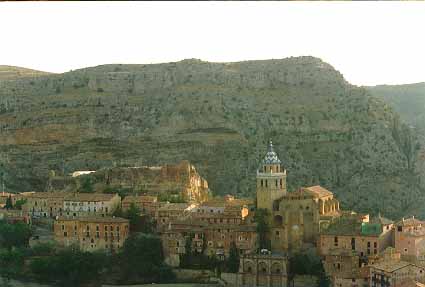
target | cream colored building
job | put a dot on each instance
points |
(90, 204)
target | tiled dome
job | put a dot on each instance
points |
(271, 156)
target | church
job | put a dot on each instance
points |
(295, 218)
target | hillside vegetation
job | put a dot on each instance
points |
(219, 116)
(12, 73)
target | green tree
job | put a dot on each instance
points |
(232, 263)
(11, 264)
(69, 267)
(186, 258)
(141, 258)
(133, 214)
(19, 203)
(86, 185)
(9, 204)
(14, 235)
(263, 228)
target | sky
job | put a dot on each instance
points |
(370, 43)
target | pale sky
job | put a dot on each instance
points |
(368, 42)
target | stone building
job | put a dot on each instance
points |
(296, 217)
(365, 238)
(409, 239)
(223, 210)
(90, 204)
(52, 204)
(91, 233)
(147, 204)
(344, 268)
(391, 271)
(44, 204)
(15, 216)
(263, 270)
(173, 211)
(209, 239)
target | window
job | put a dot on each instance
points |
(65, 234)
(63, 227)
(266, 182)
(281, 183)
(375, 244)
(399, 228)
(262, 183)
(336, 241)
(276, 182)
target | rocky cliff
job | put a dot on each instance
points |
(168, 182)
(218, 116)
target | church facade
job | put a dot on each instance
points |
(295, 218)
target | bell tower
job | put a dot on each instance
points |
(271, 180)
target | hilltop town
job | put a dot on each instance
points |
(272, 239)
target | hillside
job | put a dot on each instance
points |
(407, 100)
(12, 73)
(218, 116)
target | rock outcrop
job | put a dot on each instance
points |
(218, 116)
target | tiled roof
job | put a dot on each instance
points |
(175, 206)
(409, 222)
(391, 266)
(89, 196)
(350, 227)
(48, 195)
(318, 191)
(139, 198)
(271, 156)
(381, 220)
(95, 219)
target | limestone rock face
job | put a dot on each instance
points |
(219, 116)
(180, 180)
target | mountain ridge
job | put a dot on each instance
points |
(218, 116)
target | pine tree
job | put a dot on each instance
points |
(232, 264)
(9, 204)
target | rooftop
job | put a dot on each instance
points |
(318, 191)
(140, 198)
(390, 266)
(176, 206)
(412, 221)
(89, 196)
(95, 219)
(48, 195)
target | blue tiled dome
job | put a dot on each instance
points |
(271, 156)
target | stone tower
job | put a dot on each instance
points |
(271, 180)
